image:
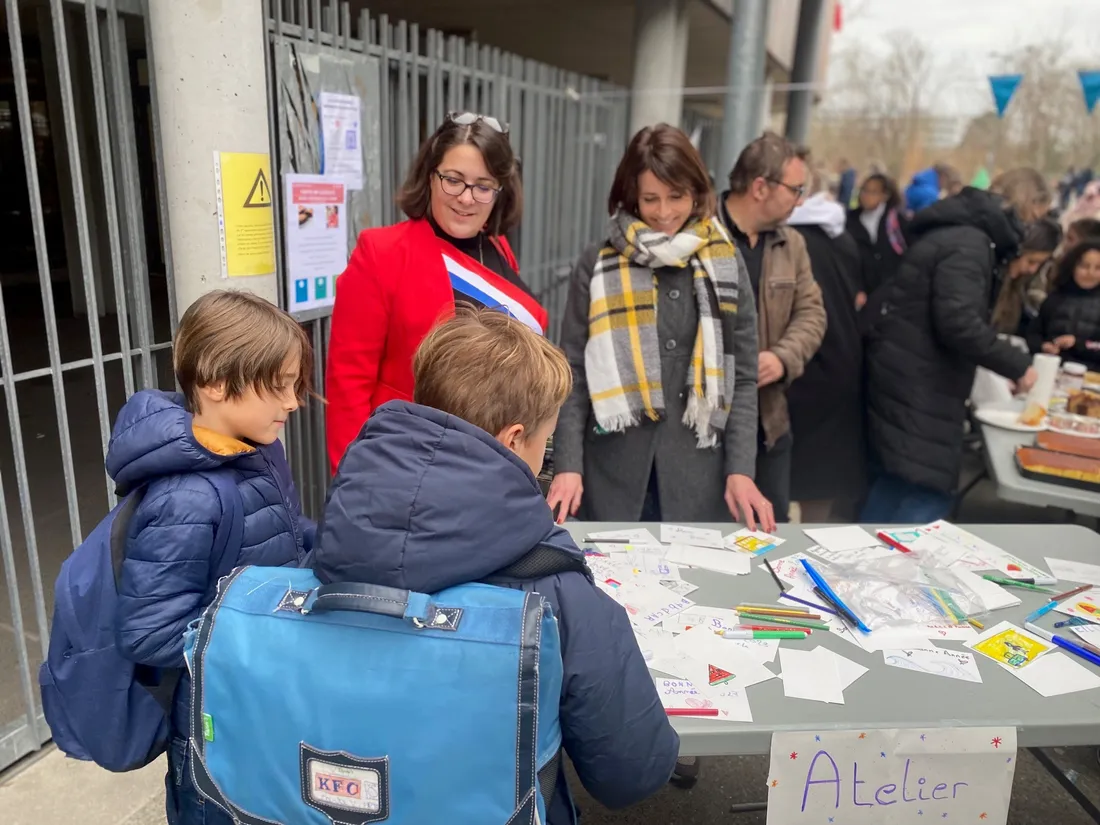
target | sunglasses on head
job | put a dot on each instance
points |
(470, 118)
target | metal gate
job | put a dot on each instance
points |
(569, 131)
(86, 300)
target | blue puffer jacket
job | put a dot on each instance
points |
(425, 501)
(167, 578)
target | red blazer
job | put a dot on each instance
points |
(395, 289)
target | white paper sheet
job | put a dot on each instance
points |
(872, 777)
(847, 670)
(839, 539)
(1089, 633)
(1084, 605)
(993, 596)
(1011, 647)
(1057, 674)
(1074, 571)
(790, 570)
(717, 561)
(854, 555)
(752, 542)
(716, 618)
(679, 586)
(954, 664)
(741, 657)
(807, 675)
(341, 133)
(732, 703)
(695, 536)
(638, 535)
(648, 604)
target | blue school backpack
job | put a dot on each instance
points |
(347, 704)
(100, 706)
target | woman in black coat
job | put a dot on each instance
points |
(929, 333)
(826, 402)
(878, 227)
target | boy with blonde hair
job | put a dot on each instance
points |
(443, 491)
(244, 365)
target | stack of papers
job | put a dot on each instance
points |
(1074, 571)
(819, 675)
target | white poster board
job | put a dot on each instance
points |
(316, 239)
(892, 777)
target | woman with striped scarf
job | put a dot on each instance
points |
(660, 328)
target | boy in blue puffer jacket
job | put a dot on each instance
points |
(243, 365)
(443, 491)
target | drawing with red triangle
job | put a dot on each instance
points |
(719, 676)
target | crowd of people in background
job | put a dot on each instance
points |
(799, 335)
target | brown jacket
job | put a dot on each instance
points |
(790, 318)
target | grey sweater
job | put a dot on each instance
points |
(617, 466)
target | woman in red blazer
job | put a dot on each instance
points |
(461, 195)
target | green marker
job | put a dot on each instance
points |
(759, 619)
(1014, 583)
(762, 634)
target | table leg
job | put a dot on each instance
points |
(1063, 780)
(748, 807)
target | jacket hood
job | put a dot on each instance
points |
(153, 437)
(978, 209)
(820, 210)
(423, 501)
(923, 191)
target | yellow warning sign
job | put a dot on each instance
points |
(245, 214)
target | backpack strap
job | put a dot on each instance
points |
(230, 531)
(544, 560)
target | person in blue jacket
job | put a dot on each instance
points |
(243, 364)
(443, 491)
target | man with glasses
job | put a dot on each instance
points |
(766, 184)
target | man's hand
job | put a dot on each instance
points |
(565, 494)
(861, 300)
(1064, 342)
(747, 504)
(1026, 382)
(769, 369)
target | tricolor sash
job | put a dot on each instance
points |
(484, 286)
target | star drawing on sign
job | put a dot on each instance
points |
(794, 754)
(922, 736)
(1008, 761)
(775, 783)
(996, 742)
(863, 736)
(920, 813)
(945, 815)
(817, 738)
(882, 754)
(983, 816)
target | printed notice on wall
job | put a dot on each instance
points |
(316, 239)
(342, 155)
(947, 775)
(246, 223)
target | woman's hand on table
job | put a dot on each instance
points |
(747, 504)
(565, 494)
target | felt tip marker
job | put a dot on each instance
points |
(691, 711)
(761, 634)
(1045, 581)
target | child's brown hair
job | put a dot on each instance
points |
(242, 340)
(491, 370)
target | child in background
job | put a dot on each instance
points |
(443, 491)
(243, 365)
(1069, 321)
(1024, 288)
(1083, 229)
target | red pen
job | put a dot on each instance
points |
(785, 628)
(897, 545)
(691, 711)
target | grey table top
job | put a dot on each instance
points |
(1000, 458)
(889, 697)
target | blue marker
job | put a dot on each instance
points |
(820, 582)
(1042, 611)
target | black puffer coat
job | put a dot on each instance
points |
(929, 333)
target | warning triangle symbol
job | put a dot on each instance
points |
(719, 676)
(260, 194)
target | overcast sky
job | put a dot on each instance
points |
(965, 35)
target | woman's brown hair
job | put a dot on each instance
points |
(666, 152)
(414, 199)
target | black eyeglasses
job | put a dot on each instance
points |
(470, 118)
(481, 192)
(799, 191)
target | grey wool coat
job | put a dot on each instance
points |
(616, 466)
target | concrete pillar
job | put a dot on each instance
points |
(660, 62)
(744, 76)
(208, 67)
(807, 52)
(767, 99)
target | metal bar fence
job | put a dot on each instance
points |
(85, 44)
(568, 130)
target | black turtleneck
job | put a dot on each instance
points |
(485, 252)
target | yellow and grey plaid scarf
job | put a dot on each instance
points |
(622, 358)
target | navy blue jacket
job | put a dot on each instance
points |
(167, 578)
(424, 501)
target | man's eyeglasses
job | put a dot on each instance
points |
(481, 192)
(470, 118)
(799, 191)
